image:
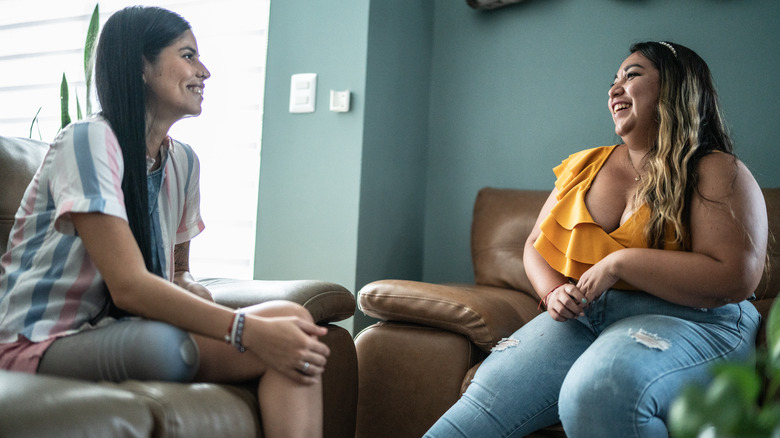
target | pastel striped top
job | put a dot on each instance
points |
(48, 284)
(571, 241)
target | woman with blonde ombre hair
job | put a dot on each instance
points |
(690, 127)
(646, 255)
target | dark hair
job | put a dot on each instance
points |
(129, 36)
(690, 126)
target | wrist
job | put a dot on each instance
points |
(547, 296)
(235, 333)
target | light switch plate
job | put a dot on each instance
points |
(303, 92)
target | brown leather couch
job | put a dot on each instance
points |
(38, 406)
(416, 362)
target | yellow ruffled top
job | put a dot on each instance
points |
(571, 241)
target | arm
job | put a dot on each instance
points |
(563, 301)
(728, 234)
(280, 343)
(182, 276)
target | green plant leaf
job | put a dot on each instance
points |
(79, 116)
(64, 115)
(89, 51)
(773, 334)
(687, 415)
(743, 377)
(725, 403)
(769, 417)
(35, 122)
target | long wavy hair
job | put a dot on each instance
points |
(129, 36)
(691, 126)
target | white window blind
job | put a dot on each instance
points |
(42, 39)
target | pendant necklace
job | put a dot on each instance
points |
(631, 162)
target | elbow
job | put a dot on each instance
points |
(126, 294)
(123, 300)
(742, 282)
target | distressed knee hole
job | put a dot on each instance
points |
(649, 340)
(504, 344)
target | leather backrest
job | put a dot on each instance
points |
(19, 160)
(503, 219)
(770, 282)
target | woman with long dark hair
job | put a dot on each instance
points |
(96, 282)
(645, 255)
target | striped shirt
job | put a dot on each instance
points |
(49, 286)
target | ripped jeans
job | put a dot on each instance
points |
(613, 372)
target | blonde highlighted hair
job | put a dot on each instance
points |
(691, 126)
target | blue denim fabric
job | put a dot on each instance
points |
(613, 372)
(153, 184)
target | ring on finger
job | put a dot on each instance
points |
(306, 366)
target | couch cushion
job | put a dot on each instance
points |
(43, 406)
(198, 409)
(19, 160)
(502, 221)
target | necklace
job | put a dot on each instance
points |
(631, 162)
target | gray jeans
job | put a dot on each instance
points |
(130, 348)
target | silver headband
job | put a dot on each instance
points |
(674, 52)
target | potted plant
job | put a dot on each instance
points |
(89, 64)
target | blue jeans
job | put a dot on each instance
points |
(613, 372)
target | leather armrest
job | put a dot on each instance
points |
(484, 314)
(327, 302)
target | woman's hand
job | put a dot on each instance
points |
(600, 277)
(565, 302)
(182, 276)
(185, 280)
(286, 344)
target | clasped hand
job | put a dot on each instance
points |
(286, 344)
(569, 301)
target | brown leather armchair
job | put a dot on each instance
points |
(417, 361)
(37, 405)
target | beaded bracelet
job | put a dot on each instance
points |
(236, 331)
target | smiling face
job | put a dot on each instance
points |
(633, 99)
(175, 80)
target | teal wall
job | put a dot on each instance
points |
(308, 201)
(341, 195)
(447, 100)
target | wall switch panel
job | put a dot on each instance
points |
(303, 92)
(339, 101)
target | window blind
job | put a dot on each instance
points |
(42, 39)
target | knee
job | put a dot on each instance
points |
(588, 391)
(606, 394)
(280, 308)
(173, 354)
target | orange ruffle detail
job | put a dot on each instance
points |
(570, 241)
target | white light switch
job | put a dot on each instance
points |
(303, 92)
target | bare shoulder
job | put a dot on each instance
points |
(724, 177)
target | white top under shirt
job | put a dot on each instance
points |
(49, 286)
